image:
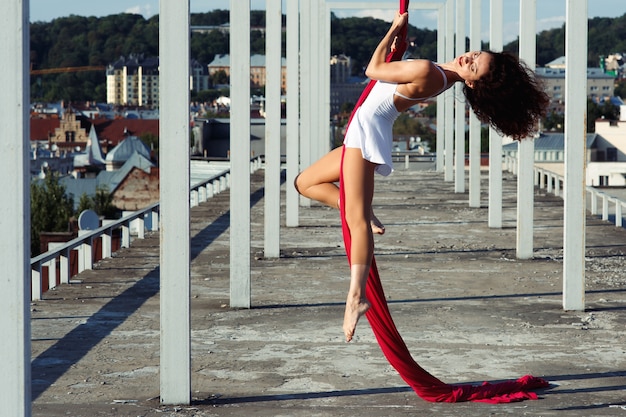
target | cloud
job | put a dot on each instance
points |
(133, 10)
(386, 15)
(145, 10)
(550, 23)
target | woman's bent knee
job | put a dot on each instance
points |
(295, 183)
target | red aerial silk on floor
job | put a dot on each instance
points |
(395, 350)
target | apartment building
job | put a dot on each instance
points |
(600, 84)
(258, 77)
(134, 80)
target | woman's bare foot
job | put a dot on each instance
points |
(355, 308)
(377, 226)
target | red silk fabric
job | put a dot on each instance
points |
(395, 350)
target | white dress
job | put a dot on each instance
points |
(371, 127)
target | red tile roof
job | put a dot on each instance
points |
(115, 130)
(42, 129)
(112, 131)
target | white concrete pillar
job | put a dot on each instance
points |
(526, 148)
(273, 61)
(495, 139)
(175, 357)
(326, 144)
(322, 80)
(459, 105)
(315, 80)
(240, 154)
(575, 143)
(449, 97)
(306, 101)
(293, 113)
(441, 98)
(15, 384)
(474, 123)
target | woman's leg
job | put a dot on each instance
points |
(359, 191)
(318, 183)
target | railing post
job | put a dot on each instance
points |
(155, 220)
(594, 202)
(52, 273)
(557, 185)
(88, 254)
(64, 266)
(36, 291)
(107, 239)
(605, 207)
(550, 182)
(618, 213)
(125, 235)
(141, 227)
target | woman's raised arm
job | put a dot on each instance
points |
(418, 72)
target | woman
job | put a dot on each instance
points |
(501, 91)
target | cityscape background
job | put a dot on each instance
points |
(550, 14)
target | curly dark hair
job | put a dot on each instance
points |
(509, 97)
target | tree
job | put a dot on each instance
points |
(50, 209)
(605, 110)
(620, 89)
(85, 203)
(152, 142)
(103, 203)
(554, 122)
(220, 77)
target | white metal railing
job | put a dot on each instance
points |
(60, 256)
(553, 183)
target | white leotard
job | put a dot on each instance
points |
(371, 127)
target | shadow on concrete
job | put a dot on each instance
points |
(206, 236)
(461, 299)
(216, 401)
(301, 396)
(51, 364)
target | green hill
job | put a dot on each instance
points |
(76, 41)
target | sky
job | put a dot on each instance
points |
(550, 13)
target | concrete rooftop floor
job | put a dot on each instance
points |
(468, 310)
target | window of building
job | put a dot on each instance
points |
(604, 180)
(611, 154)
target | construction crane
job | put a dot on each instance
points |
(66, 69)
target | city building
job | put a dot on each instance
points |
(199, 79)
(133, 81)
(600, 84)
(344, 88)
(221, 62)
(605, 153)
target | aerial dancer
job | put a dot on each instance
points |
(502, 92)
